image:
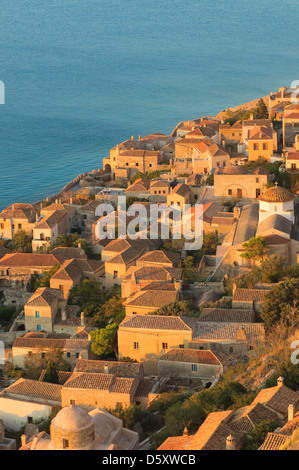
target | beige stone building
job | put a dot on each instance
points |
(17, 217)
(190, 363)
(145, 338)
(179, 196)
(237, 182)
(27, 401)
(261, 143)
(48, 228)
(41, 345)
(290, 124)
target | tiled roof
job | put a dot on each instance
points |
(157, 322)
(18, 211)
(44, 296)
(249, 295)
(246, 418)
(290, 426)
(275, 222)
(261, 133)
(181, 189)
(229, 331)
(155, 298)
(97, 381)
(276, 194)
(213, 433)
(70, 270)
(120, 369)
(145, 387)
(47, 343)
(227, 315)
(154, 273)
(257, 122)
(277, 398)
(274, 441)
(51, 220)
(175, 443)
(33, 389)
(4, 251)
(34, 260)
(190, 355)
(160, 257)
(64, 253)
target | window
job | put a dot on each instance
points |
(164, 345)
(231, 349)
(150, 165)
(194, 367)
(1, 225)
(137, 164)
(39, 327)
(230, 192)
(37, 315)
(68, 354)
(77, 355)
(255, 146)
(20, 226)
(65, 443)
(42, 236)
(43, 355)
(265, 146)
(115, 274)
(72, 402)
(257, 180)
(29, 419)
(60, 287)
(181, 346)
(136, 345)
(134, 313)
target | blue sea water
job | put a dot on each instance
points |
(81, 76)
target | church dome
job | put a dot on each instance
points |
(276, 194)
(72, 418)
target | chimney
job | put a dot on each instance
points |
(80, 245)
(83, 322)
(36, 217)
(178, 286)
(106, 369)
(23, 439)
(231, 443)
(185, 432)
(132, 137)
(251, 117)
(290, 412)
(234, 289)
(280, 382)
(139, 138)
(80, 356)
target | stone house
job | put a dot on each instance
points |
(152, 297)
(237, 182)
(48, 228)
(260, 143)
(231, 134)
(159, 190)
(251, 299)
(145, 338)
(72, 348)
(27, 401)
(67, 276)
(17, 217)
(190, 363)
(140, 188)
(179, 196)
(292, 161)
(138, 277)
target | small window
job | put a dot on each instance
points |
(164, 345)
(257, 180)
(65, 443)
(29, 419)
(68, 354)
(194, 367)
(77, 355)
(231, 349)
(72, 402)
(115, 274)
(60, 287)
(39, 327)
(37, 315)
(136, 345)
(230, 192)
(181, 346)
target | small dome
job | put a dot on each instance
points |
(276, 194)
(72, 418)
(235, 170)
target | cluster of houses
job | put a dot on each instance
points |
(242, 203)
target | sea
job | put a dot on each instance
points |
(82, 76)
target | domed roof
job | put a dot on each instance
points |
(277, 194)
(235, 170)
(72, 418)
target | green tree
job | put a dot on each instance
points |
(51, 373)
(44, 281)
(255, 249)
(256, 437)
(261, 111)
(273, 269)
(104, 341)
(279, 303)
(22, 242)
(180, 308)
